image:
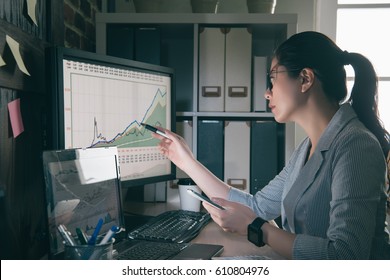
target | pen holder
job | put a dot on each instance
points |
(90, 252)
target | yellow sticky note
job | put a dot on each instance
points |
(2, 62)
(31, 7)
(14, 46)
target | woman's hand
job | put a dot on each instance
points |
(175, 148)
(235, 218)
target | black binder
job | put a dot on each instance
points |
(124, 34)
(178, 54)
(148, 44)
(264, 154)
(211, 146)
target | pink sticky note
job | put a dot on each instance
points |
(15, 117)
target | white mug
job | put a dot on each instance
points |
(187, 202)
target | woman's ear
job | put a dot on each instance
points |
(307, 78)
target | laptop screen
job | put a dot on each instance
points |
(82, 186)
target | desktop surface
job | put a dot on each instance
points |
(234, 244)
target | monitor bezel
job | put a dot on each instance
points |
(55, 56)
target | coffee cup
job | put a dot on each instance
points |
(188, 202)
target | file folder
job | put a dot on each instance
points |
(147, 44)
(178, 54)
(264, 154)
(259, 83)
(211, 145)
(238, 70)
(120, 33)
(156, 192)
(237, 154)
(211, 70)
(184, 129)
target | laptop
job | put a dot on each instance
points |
(82, 187)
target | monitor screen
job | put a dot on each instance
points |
(101, 101)
(82, 187)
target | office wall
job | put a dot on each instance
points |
(22, 210)
(22, 205)
(79, 20)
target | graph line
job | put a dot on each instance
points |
(103, 140)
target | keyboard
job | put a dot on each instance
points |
(177, 226)
(146, 250)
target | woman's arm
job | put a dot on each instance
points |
(177, 150)
(236, 217)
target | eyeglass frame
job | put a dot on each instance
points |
(269, 83)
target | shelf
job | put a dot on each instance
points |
(183, 18)
(226, 114)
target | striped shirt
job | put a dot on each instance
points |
(335, 202)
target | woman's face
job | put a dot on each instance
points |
(285, 95)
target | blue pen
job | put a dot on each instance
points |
(92, 240)
(110, 234)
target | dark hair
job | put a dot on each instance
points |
(316, 51)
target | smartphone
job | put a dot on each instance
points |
(204, 198)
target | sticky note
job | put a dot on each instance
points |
(14, 46)
(2, 62)
(31, 6)
(15, 117)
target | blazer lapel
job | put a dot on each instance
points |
(302, 183)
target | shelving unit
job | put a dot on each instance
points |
(179, 49)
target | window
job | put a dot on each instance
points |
(363, 26)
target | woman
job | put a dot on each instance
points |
(331, 194)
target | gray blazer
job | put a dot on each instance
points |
(336, 201)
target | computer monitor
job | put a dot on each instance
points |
(101, 101)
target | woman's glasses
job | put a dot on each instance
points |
(271, 77)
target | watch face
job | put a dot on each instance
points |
(253, 236)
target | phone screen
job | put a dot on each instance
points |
(205, 199)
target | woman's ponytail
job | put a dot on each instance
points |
(364, 97)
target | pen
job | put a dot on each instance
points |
(155, 130)
(82, 236)
(92, 240)
(109, 234)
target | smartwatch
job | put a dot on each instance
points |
(255, 234)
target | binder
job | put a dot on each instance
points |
(237, 154)
(184, 129)
(211, 69)
(147, 44)
(264, 154)
(125, 35)
(238, 70)
(156, 192)
(178, 54)
(259, 83)
(211, 145)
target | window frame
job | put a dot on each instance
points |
(326, 22)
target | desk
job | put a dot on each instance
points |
(234, 244)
